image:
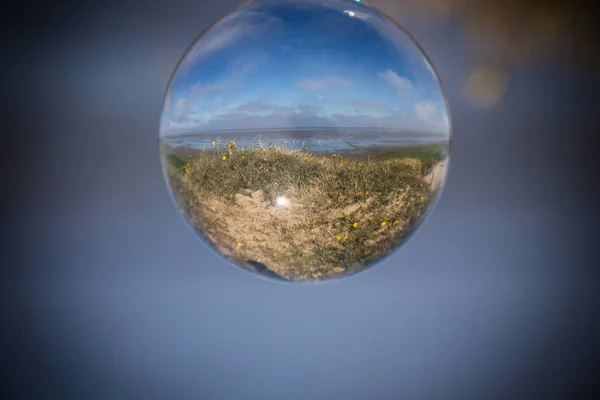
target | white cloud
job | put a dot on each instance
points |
(167, 105)
(234, 28)
(401, 84)
(199, 89)
(213, 94)
(218, 41)
(425, 111)
(432, 117)
(429, 66)
(314, 85)
(446, 122)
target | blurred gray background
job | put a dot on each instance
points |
(105, 293)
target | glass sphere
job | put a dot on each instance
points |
(305, 140)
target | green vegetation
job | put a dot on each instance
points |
(428, 155)
(303, 216)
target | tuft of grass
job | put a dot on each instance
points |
(339, 214)
(176, 162)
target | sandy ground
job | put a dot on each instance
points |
(254, 232)
(437, 175)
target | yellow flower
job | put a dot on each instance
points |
(214, 143)
(422, 199)
(334, 155)
(360, 164)
(338, 269)
(396, 222)
(383, 223)
(338, 237)
(243, 157)
(346, 237)
(408, 173)
(187, 168)
(224, 158)
(240, 244)
(355, 224)
(420, 185)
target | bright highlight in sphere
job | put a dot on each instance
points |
(305, 141)
(283, 201)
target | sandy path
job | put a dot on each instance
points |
(437, 175)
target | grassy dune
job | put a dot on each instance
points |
(298, 215)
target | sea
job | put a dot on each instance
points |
(313, 140)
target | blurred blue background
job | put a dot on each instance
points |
(105, 293)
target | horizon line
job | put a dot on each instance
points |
(303, 128)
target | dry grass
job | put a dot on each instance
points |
(297, 215)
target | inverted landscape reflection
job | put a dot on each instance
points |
(305, 140)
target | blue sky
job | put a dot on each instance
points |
(289, 64)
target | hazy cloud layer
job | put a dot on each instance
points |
(258, 114)
(366, 104)
(314, 85)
